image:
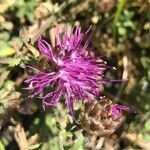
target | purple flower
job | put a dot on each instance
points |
(77, 73)
(116, 109)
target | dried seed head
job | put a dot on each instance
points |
(100, 117)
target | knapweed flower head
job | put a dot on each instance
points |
(76, 73)
(103, 117)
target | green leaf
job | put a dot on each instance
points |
(145, 62)
(63, 134)
(11, 61)
(147, 137)
(2, 111)
(147, 126)
(1, 146)
(122, 30)
(7, 51)
(78, 144)
(34, 146)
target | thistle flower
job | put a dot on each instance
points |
(103, 117)
(76, 73)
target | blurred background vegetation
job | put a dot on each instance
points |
(121, 31)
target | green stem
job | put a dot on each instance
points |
(121, 4)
